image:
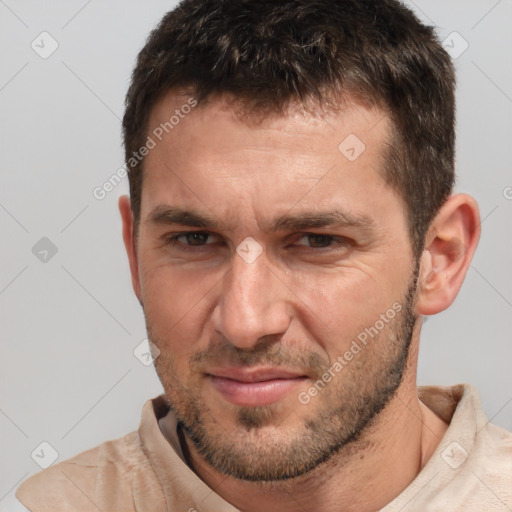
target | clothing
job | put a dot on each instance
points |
(470, 470)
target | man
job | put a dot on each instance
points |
(290, 221)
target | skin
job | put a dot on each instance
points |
(297, 307)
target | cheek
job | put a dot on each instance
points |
(336, 307)
(176, 306)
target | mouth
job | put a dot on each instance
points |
(254, 387)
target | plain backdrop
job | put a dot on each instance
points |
(69, 319)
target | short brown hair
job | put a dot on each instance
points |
(270, 52)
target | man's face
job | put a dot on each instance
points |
(250, 329)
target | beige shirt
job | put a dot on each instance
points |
(471, 469)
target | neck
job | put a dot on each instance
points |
(363, 476)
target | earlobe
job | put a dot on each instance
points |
(449, 247)
(130, 243)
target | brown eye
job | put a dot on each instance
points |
(316, 241)
(196, 238)
(193, 239)
(319, 240)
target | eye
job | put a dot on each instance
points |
(318, 241)
(192, 239)
(195, 238)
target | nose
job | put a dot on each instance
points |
(253, 303)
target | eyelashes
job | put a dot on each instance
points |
(311, 243)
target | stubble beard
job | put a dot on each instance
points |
(257, 449)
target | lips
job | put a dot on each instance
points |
(254, 387)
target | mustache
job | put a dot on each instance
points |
(265, 353)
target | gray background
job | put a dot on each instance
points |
(69, 324)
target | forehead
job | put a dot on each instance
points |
(178, 114)
(214, 156)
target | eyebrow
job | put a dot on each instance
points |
(308, 220)
(302, 221)
(172, 215)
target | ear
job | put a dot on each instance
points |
(130, 243)
(449, 247)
